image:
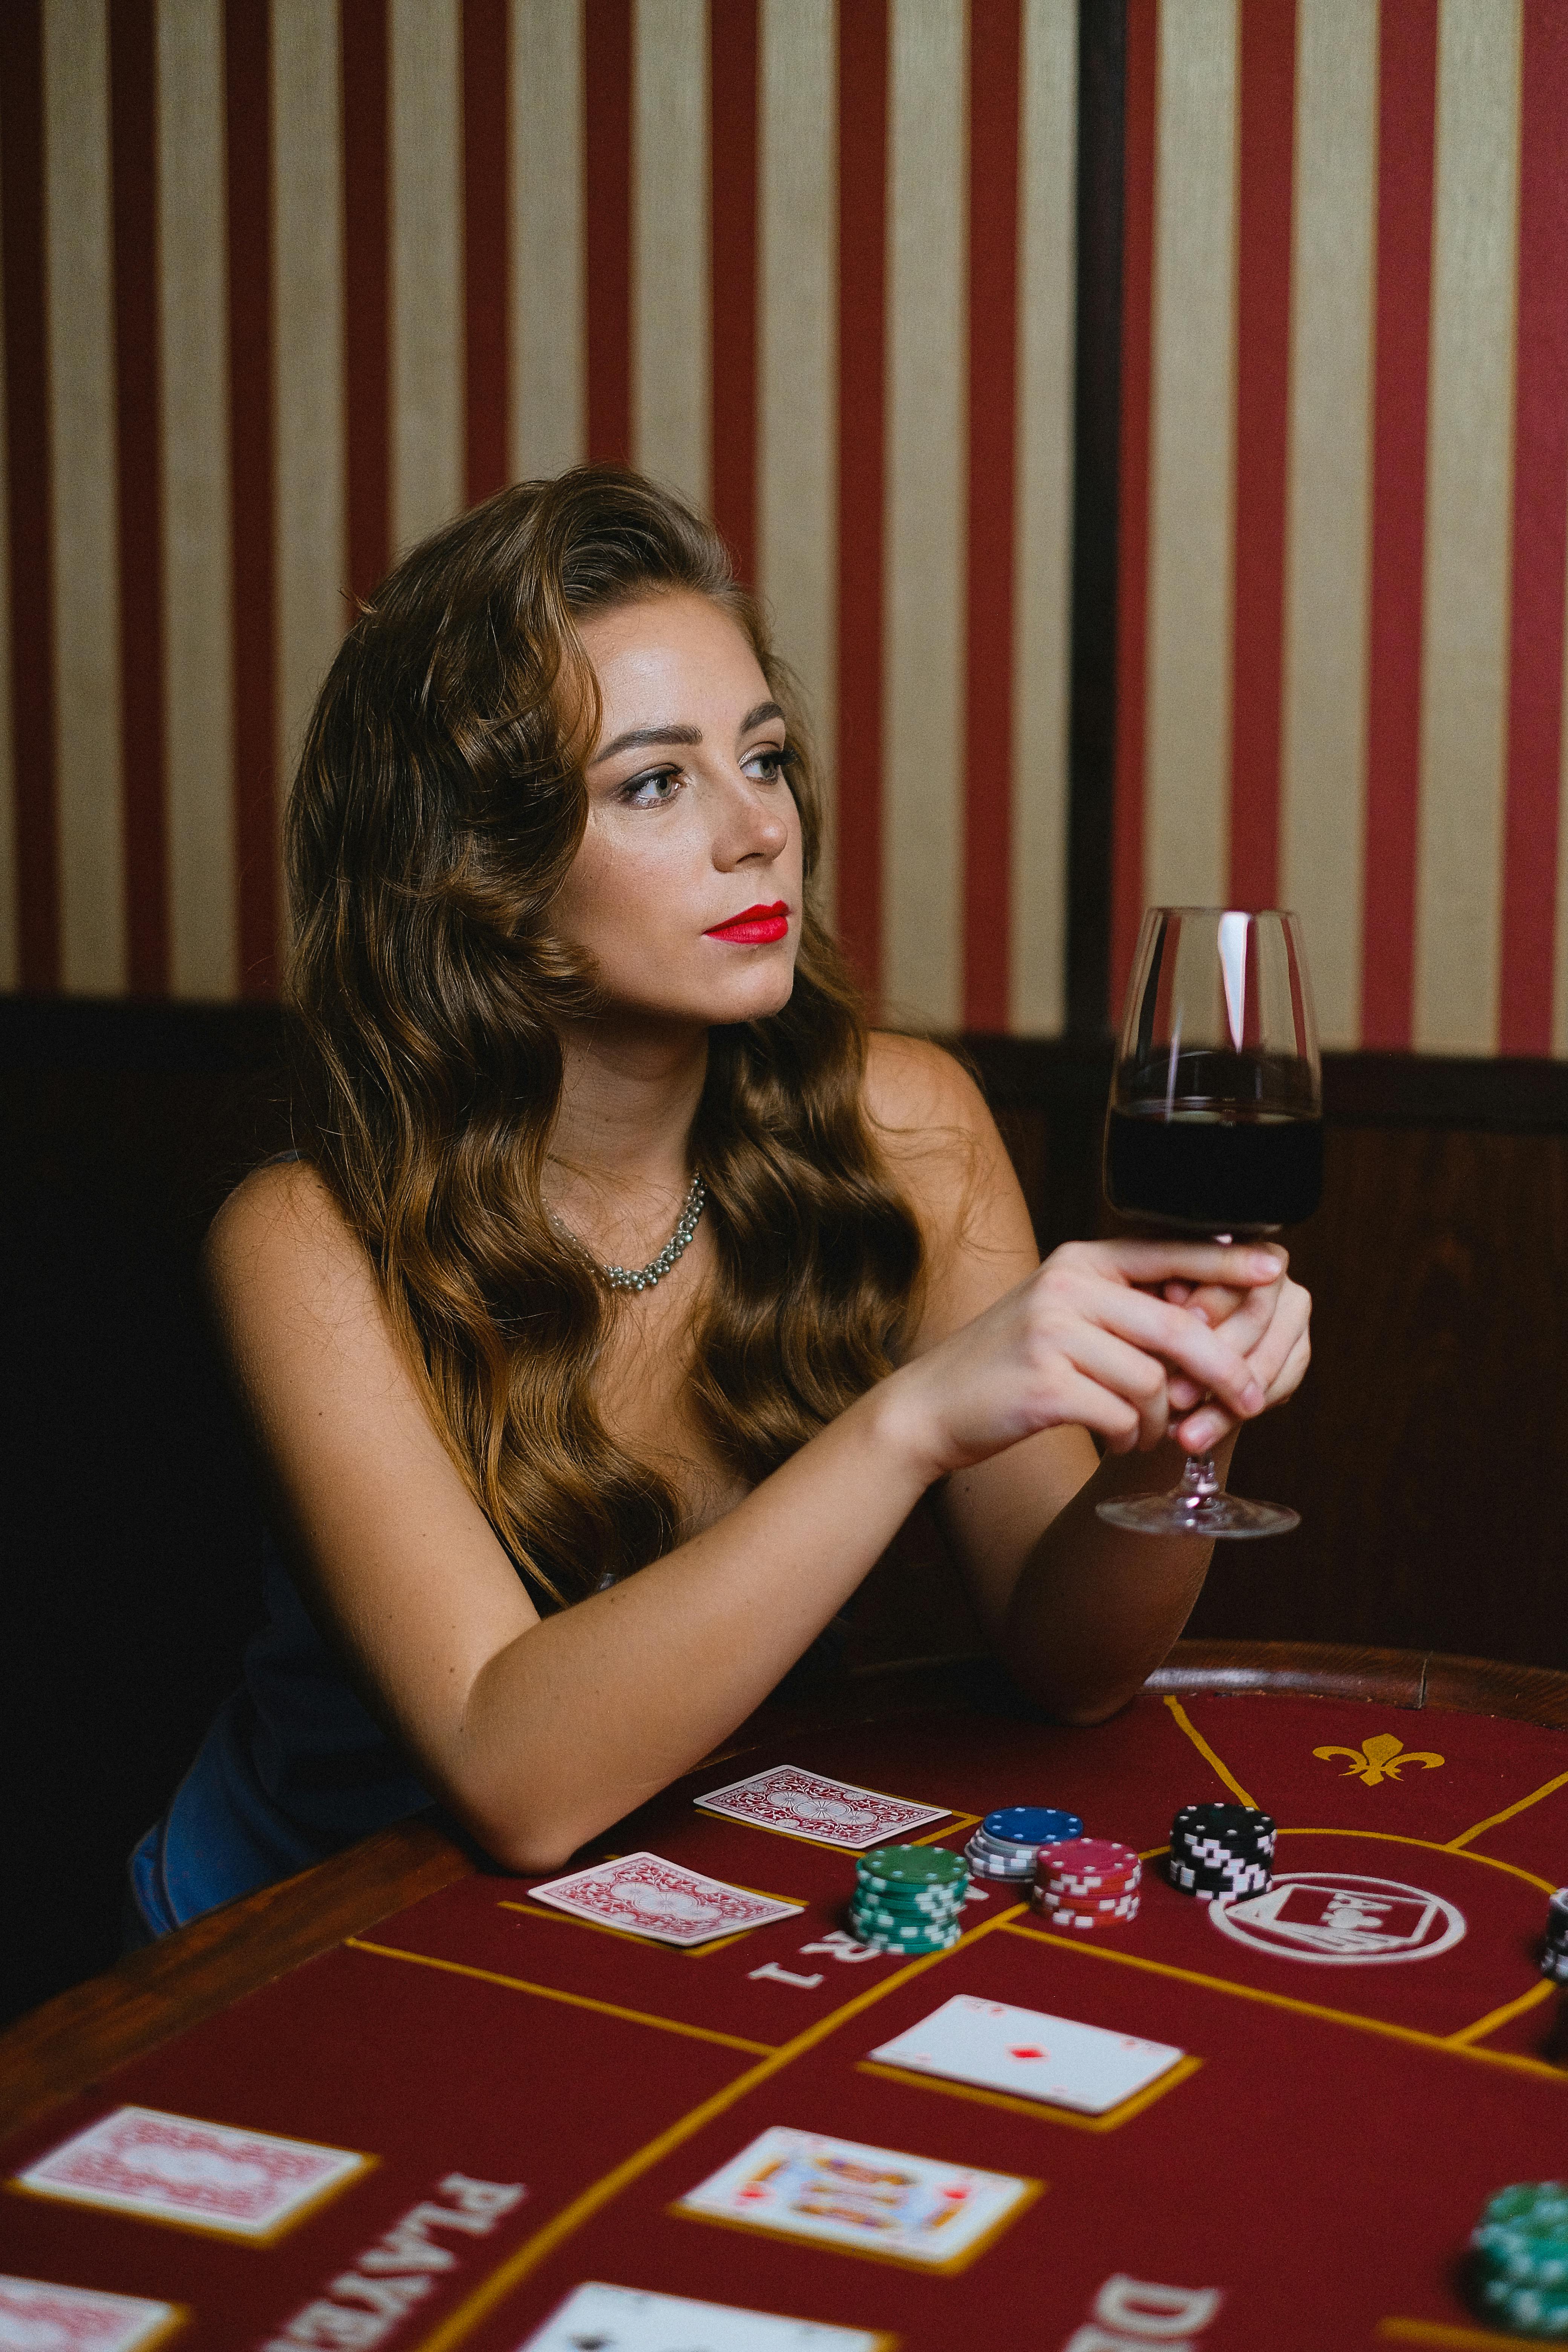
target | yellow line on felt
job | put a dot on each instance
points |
(1303, 2008)
(1496, 2017)
(1428, 1845)
(1205, 1750)
(1436, 2331)
(552, 1992)
(1495, 1821)
(600, 2192)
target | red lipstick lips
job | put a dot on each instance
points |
(757, 927)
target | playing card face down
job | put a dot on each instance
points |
(827, 1812)
(36, 2316)
(628, 2319)
(874, 2201)
(176, 2168)
(643, 1895)
(1053, 2059)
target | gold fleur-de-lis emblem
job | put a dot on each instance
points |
(1380, 1758)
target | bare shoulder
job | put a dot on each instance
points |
(942, 1146)
(279, 1246)
(915, 1091)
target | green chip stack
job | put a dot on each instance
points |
(1518, 2259)
(908, 1898)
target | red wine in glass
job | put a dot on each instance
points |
(1214, 1127)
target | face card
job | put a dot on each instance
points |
(874, 2201)
(36, 2317)
(597, 2318)
(647, 1895)
(1053, 2059)
(174, 2169)
(828, 1812)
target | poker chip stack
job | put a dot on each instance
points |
(1086, 1883)
(1554, 1954)
(1221, 1850)
(1518, 2259)
(908, 1898)
(1005, 1845)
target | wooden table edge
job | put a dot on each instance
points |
(159, 1991)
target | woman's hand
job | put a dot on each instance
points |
(1090, 1340)
(1267, 1324)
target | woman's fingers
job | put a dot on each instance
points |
(1239, 1265)
(1131, 1373)
(1183, 1341)
(1201, 1431)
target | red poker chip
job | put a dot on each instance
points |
(1105, 1902)
(1088, 1856)
(1097, 1887)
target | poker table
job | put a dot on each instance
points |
(511, 2102)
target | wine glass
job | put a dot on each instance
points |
(1214, 1127)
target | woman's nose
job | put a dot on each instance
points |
(753, 826)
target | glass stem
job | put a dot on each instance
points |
(1199, 1479)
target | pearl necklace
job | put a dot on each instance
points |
(645, 1277)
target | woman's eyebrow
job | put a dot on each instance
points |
(763, 711)
(636, 737)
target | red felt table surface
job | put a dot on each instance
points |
(1321, 2167)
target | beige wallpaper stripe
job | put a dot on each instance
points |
(1468, 528)
(670, 271)
(308, 366)
(1043, 514)
(549, 330)
(1329, 483)
(199, 650)
(79, 247)
(797, 354)
(1187, 789)
(924, 656)
(426, 265)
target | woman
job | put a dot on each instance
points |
(553, 1528)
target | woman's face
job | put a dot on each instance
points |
(686, 890)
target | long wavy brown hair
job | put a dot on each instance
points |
(438, 804)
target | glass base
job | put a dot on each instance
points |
(1198, 1506)
(1209, 1515)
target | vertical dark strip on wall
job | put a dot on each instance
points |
(29, 473)
(133, 146)
(1539, 542)
(247, 49)
(862, 341)
(1407, 156)
(995, 60)
(607, 162)
(732, 211)
(366, 304)
(1262, 400)
(484, 217)
(1097, 408)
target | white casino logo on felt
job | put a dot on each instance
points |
(1340, 1919)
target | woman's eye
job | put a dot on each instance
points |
(768, 764)
(652, 791)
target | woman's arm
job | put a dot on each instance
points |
(538, 1734)
(1082, 1612)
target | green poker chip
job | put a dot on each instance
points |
(912, 1867)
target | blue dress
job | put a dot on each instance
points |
(292, 1769)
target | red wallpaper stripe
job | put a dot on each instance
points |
(132, 86)
(1408, 126)
(1132, 550)
(733, 209)
(28, 462)
(862, 344)
(1262, 401)
(486, 214)
(247, 29)
(607, 147)
(1540, 539)
(367, 298)
(996, 57)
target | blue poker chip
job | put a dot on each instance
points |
(1033, 1825)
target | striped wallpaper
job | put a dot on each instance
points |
(286, 282)
(1344, 483)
